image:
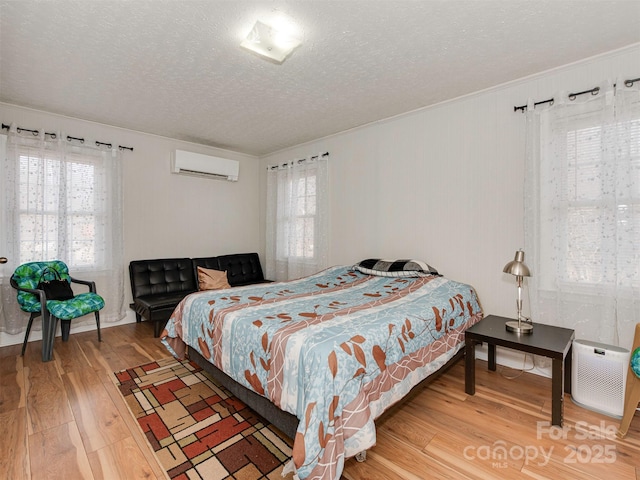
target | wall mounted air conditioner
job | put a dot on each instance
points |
(190, 163)
(598, 376)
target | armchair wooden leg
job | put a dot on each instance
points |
(632, 388)
(631, 399)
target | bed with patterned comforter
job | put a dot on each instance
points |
(335, 349)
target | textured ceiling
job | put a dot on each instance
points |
(175, 68)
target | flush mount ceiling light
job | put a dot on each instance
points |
(275, 43)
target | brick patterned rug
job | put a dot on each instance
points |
(198, 429)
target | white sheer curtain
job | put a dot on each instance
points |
(297, 218)
(61, 200)
(582, 212)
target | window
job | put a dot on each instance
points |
(297, 219)
(297, 211)
(582, 212)
(62, 200)
(589, 210)
(59, 211)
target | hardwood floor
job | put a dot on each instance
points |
(66, 419)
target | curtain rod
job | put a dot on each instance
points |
(572, 96)
(69, 138)
(313, 157)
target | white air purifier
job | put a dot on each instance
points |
(598, 376)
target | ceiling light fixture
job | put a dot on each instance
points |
(271, 42)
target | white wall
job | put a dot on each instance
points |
(166, 215)
(445, 184)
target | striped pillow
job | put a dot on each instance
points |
(395, 268)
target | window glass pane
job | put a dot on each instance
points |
(309, 228)
(58, 208)
(80, 187)
(602, 195)
(583, 260)
(311, 185)
(296, 218)
(300, 207)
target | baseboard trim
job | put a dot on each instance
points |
(7, 339)
(513, 359)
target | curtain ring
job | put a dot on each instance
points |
(70, 138)
(33, 132)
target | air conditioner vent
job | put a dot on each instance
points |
(197, 164)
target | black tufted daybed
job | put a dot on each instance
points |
(159, 285)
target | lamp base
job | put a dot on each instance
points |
(518, 327)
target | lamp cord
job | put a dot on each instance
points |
(522, 370)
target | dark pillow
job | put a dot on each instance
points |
(395, 268)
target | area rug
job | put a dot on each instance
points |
(197, 429)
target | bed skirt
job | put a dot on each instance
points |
(286, 422)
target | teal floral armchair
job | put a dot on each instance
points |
(25, 280)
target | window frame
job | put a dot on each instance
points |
(61, 188)
(598, 281)
(287, 220)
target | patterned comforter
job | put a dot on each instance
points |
(335, 349)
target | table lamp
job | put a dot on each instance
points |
(518, 268)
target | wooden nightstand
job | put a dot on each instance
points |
(546, 340)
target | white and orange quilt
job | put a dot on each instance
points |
(335, 349)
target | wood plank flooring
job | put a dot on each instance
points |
(65, 419)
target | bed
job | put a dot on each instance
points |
(329, 353)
